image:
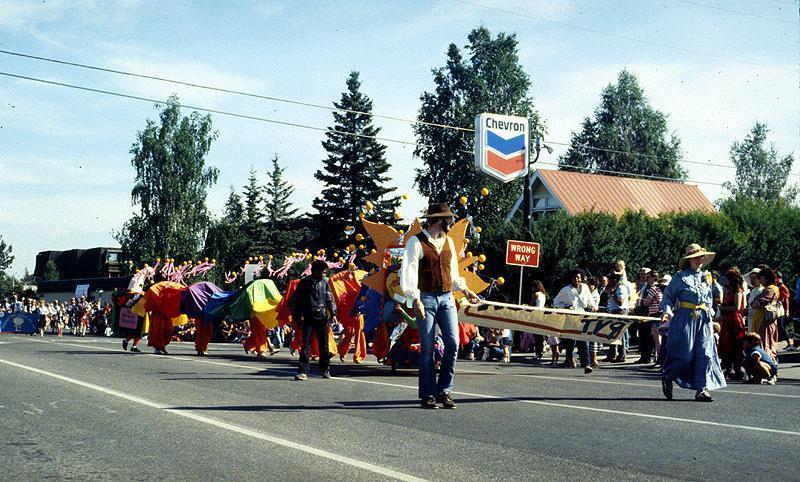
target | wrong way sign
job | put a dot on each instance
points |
(522, 253)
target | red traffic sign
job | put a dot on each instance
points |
(522, 253)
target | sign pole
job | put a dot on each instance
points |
(520, 285)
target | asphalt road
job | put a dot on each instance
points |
(81, 408)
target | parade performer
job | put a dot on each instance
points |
(258, 341)
(428, 276)
(203, 335)
(346, 287)
(193, 303)
(576, 296)
(691, 353)
(162, 302)
(310, 304)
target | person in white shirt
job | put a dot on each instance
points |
(576, 296)
(428, 277)
(618, 303)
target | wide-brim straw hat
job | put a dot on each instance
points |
(438, 210)
(694, 250)
(750, 273)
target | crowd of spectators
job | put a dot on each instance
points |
(751, 314)
(77, 316)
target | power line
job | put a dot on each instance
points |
(623, 37)
(320, 129)
(318, 106)
(722, 9)
(205, 109)
(222, 89)
(307, 104)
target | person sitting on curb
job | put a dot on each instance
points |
(760, 366)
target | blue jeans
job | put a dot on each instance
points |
(440, 308)
(277, 337)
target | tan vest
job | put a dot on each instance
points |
(434, 268)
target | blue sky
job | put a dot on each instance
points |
(715, 67)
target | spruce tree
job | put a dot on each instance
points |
(226, 241)
(277, 192)
(281, 234)
(253, 216)
(354, 171)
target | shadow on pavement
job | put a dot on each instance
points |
(394, 404)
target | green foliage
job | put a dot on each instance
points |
(770, 231)
(226, 241)
(277, 192)
(745, 233)
(51, 272)
(282, 232)
(634, 134)
(355, 170)
(254, 226)
(172, 180)
(6, 258)
(490, 79)
(760, 171)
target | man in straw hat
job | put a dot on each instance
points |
(428, 276)
(691, 358)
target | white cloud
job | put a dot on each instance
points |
(708, 108)
(181, 70)
(270, 8)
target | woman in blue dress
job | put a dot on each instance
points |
(691, 351)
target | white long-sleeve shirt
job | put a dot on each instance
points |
(579, 299)
(409, 270)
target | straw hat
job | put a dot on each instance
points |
(747, 276)
(695, 251)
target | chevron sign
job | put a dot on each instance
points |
(501, 145)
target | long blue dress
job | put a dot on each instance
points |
(691, 351)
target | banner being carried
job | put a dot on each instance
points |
(575, 325)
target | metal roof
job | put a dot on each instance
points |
(579, 192)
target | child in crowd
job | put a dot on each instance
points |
(553, 341)
(759, 365)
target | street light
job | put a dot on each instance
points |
(526, 193)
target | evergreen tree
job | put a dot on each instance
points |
(226, 241)
(282, 233)
(626, 135)
(489, 79)
(253, 216)
(172, 181)
(234, 210)
(354, 171)
(277, 193)
(760, 171)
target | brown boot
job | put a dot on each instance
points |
(593, 360)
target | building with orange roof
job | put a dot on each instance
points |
(577, 192)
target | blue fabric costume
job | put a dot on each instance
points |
(691, 351)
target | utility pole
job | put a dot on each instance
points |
(526, 192)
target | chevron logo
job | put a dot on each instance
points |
(505, 147)
(501, 146)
